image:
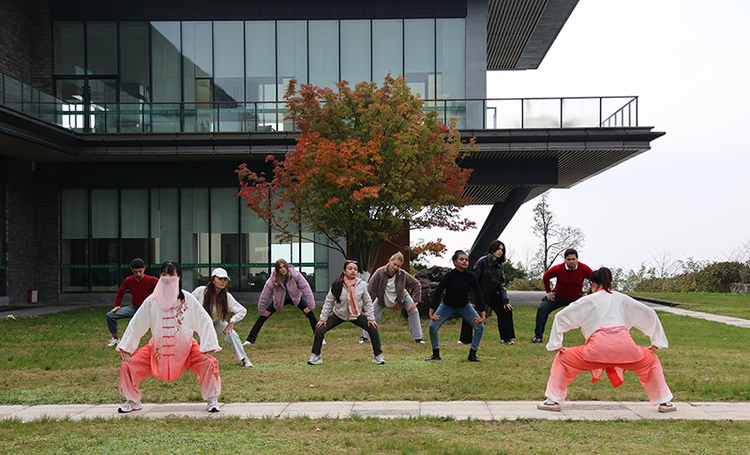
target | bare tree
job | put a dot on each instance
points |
(740, 254)
(665, 263)
(555, 238)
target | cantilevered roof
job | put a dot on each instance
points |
(520, 32)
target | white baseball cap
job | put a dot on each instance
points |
(221, 273)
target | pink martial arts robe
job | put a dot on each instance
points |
(605, 320)
(172, 349)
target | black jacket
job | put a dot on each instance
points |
(491, 277)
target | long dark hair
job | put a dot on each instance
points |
(602, 277)
(338, 283)
(212, 297)
(169, 267)
(494, 246)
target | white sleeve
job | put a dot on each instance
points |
(646, 320)
(236, 308)
(199, 293)
(137, 327)
(565, 320)
(202, 324)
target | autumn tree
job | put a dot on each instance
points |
(555, 238)
(368, 160)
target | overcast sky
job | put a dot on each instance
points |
(687, 61)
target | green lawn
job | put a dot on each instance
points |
(735, 305)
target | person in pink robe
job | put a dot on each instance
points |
(605, 317)
(172, 315)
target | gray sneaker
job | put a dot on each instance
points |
(378, 359)
(536, 339)
(114, 341)
(129, 406)
(213, 404)
(315, 359)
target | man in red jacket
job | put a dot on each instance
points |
(569, 287)
(140, 286)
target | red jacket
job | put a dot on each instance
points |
(569, 282)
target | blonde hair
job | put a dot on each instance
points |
(397, 255)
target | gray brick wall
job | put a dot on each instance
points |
(26, 41)
(33, 240)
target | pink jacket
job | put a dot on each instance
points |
(296, 286)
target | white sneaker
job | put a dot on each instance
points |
(419, 341)
(247, 363)
(129, 406)
(549, 405)
(460, 342)
(363, 340)
(315, 359)
(324, 342)
(247, 343)
(213, 404)
(114, 341)
(667, 407)
(378, 359)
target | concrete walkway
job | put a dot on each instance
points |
(459, 410)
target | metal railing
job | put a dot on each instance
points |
(231, 116)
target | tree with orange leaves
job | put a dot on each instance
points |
(368, 160)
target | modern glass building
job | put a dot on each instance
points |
(121, 125)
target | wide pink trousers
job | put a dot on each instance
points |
(139, 368)
(568, 364)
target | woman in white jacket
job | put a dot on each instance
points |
(605, 318)
(218, 303)
(343, 304)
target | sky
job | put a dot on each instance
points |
(688, 196)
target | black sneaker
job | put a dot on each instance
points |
(536, 339)
(363, 340)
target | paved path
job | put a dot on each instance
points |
(459, 410)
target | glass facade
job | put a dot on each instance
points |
(209, 76)
(202, 228)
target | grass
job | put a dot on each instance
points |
(368, 436)
(63, 358)
(735, 305)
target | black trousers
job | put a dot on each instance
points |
(262, 319)
(361, 322)
(504, 322)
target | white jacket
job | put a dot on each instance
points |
(234, 306)
(602, 310)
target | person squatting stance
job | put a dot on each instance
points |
(388, 285)
(140, 286)
(343, 304)
(569, 287)
(218, 303)
(172, 315)
(457, 283)
(287, 287)
(491, 276)
(605, 318)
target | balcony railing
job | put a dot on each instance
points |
(142, 117)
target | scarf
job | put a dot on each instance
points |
(166, 292)
(352, 298)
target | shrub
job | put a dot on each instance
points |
(523, 284)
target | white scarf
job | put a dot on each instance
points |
(166, 292)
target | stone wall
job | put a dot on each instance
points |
(739, 288)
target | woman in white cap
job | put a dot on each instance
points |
(218, 303)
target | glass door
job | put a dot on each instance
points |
(93, 104)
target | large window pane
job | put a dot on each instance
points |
(387, 49)
(254, 250)
(134, 75)
(166, 75)
(134, 226)
(74, 243)
(225, 234)
(194, 236)
(68, 45)
(355, 51)
(105, 253)
(229, 75)
(164, 222)
(3, 290)
(419, 56)
(101, 48)
(324, 53)
(198, 84)
(260, 51)
(451, 68)
(291, 37)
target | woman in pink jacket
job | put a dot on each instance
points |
(287, 287)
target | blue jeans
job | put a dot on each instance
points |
(467, 312)
(123, 312)
(545, 308)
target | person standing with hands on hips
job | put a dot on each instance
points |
(457, 284)
(218, 303)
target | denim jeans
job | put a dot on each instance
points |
(545, 308)
(123, 312)
(467, 312)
